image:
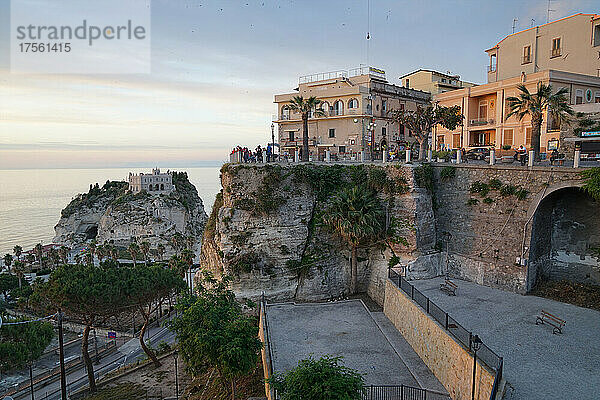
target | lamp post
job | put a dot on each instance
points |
(175, 354)
(31, 378)
(272, 141)
(475, 345)
(448, 236)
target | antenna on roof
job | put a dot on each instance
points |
(549, 11)
(368, 28)
(532, 22)
(514, 24)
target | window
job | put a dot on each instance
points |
(556, 47)
(597, 95)
(493, 61)
(384, 105)
(291, 136)
(338, 108)
(407, 83)
(440, 140)
(579, 96)
(383, 132)
(526, 55)
(508, 137)
(401, 106)
(443, 80)
(285, 113)
(325, 107)
(456, 141)
(401, 131)
(332, 133)
(483, 110)
(527, 137)
(342, 149)
(353, 103)
(597, 35)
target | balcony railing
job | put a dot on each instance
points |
(481, 122)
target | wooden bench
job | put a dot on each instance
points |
(449, 287)
(547, 318)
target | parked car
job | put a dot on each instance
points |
(478, 153)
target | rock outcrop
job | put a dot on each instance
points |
(112, 214)
(266, 230)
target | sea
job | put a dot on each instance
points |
(31, 199)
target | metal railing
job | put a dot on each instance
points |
(388, 392)
(480, 122)
(462, 335)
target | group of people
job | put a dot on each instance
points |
(246, 155)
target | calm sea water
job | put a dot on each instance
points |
(31, 200)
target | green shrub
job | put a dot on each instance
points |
(424, 177)
(495, 184)
(479, 187)
(506, 147)
(488, 200)
(508, 190)
(448, 173)
(521, 193)
(472, 201)
(591, 179)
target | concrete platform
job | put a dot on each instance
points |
(537, 364)
(368, 342)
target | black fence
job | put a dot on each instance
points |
(463, 336)
(389, 392)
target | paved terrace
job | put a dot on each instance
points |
(537, 364)
(368, 343)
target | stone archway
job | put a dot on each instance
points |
(565, 232)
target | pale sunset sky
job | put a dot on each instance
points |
(215, 66)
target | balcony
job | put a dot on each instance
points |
(481, 122)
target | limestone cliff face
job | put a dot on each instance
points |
(265, 230)
(113, 214)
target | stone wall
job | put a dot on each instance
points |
(449, 361)
(489, 236)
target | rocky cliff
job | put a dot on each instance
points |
(111, 213)
(266, 230)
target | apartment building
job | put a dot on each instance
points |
(433, 82)
(356, 104)
(518, 60)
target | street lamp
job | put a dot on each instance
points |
(475, 345)
(448, 236)
(175, 354)
(31, 378)
(272, 141)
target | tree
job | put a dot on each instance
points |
(177, 242)
(87, 293)
(357, 216)
(148, 286)
(134, 251)
(54, 257)
(535, 105)
(322, 379)
(145, 250)
(18, 250)
(212, 331)
(307, 108)
(19, 270)
(8, 259)
(23, 343)
(63, 252)
(422, 120)
(38, 249)
(8, 282)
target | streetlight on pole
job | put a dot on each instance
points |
(272, 141)
(175, 354)
(475, 345)
(63, 376)
(31, 378)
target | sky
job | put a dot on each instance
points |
(216, 65)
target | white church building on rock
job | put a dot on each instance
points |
(155, 183)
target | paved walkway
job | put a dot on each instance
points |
(537, 364)
(367, 342)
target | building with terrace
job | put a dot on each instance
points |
(563, 53)
(356, 104)
(155, 183)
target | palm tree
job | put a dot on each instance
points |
(19, 269)
(160, 251)
(535, 105)
(8, 259)
(18, 250)
(93, 246)
(54, 257)
(88, 258)
(357, 216)
(307, 108)
(176, 242)
(145, 250)
(134, 251)
(100, 252)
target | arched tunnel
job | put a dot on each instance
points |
(565, 239)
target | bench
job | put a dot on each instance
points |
(449, 287)
(547, 318)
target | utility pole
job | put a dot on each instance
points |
(31, 378)
(61, 352)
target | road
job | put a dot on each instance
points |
(128, 353)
